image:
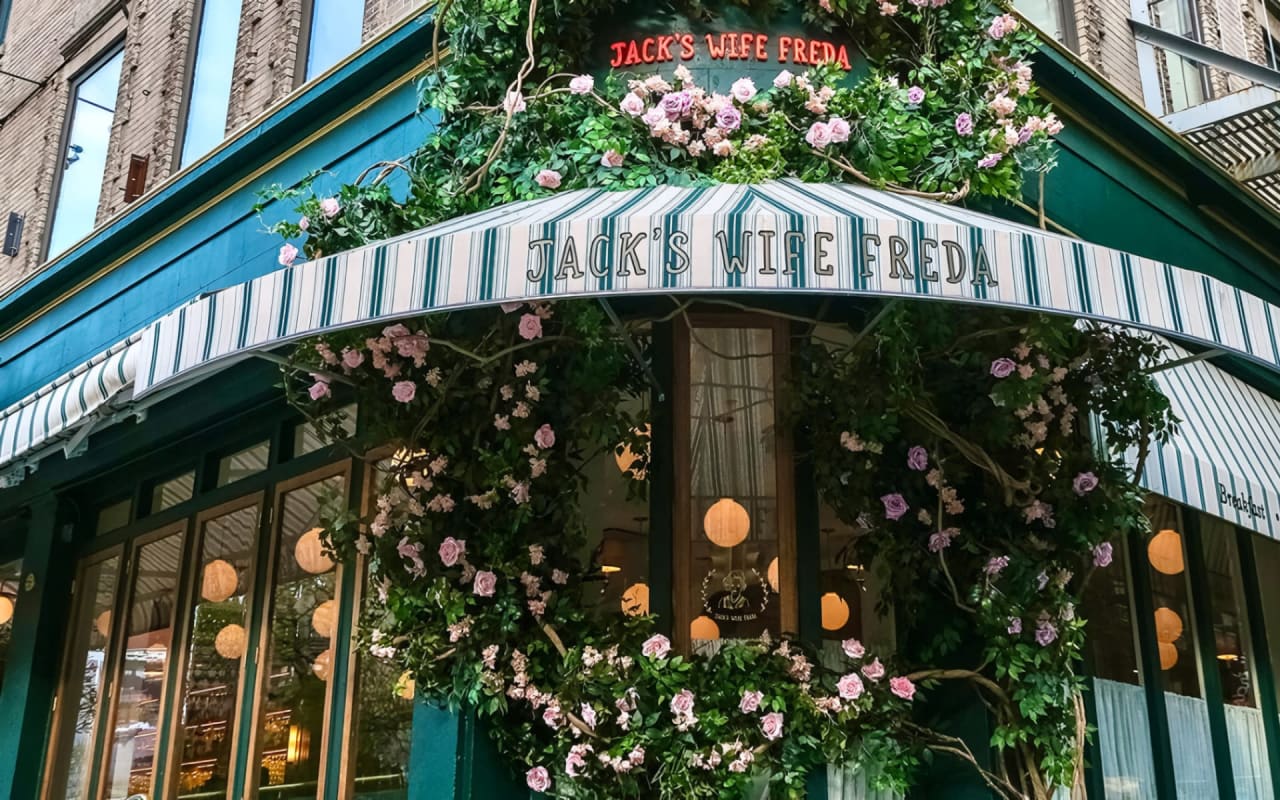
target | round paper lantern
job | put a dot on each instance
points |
(635, 600)
(1168, 655)
(309, 551)
(626, 459)
(1168, 625)
(103, 624)
(323, 665)
(230, 641)
(772, 575)
(6, 609)
(704, 628)
(835, 612)
(1164, 551)
(726, 523)
(220, 581)
(405, 686)
(325, 618)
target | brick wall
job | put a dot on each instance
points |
(52, 41)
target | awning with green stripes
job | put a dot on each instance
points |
(785, 237)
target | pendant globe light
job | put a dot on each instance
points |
(230, 641)
(219, 581)
(309, 551)
(704, 628)
(1164, 551)
(635, 600)
(325, 618)
(726, 523)
(835, 612)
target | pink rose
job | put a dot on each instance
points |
(682, 703)
(894, 506)
(404, 391)
(288, 253)
(853, 648)
(632, 104)
(750, 702)
(352, 358)
(544, 437)
(918, 458)
(819, 135)
(611, 159)
(530, 327)
(771, 725)
(783, 79)
(1003, 367)
(486, 583)
(1102, 555)
(850, 686)
(839, 129)
(451, 550)
(513, 103)
(538, 779)
(902, 687)
(582, 84)
(304, 223)
(329, 207)
(319, 389)
(743, 89)
(873, 671)
(548, 179)
(656, 646)
(536, 554)
(1084, 483)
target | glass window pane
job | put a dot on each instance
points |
(1045, 15)
(173, 492)
(336, 30)
(734, 492)
(81, 699)
(300, 654)
(211, 78)
(214, 652)
(244, 463)
(307, 437)
(1234, 659)
(114, 516)
(1267, 555)
(131, 756)
(10, 582)
(383, 728)
(1108, 606)
(85, 160)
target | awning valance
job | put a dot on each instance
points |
(1225, 458)
(780, 237)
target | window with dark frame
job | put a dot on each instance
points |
(335, 29)
(209, 90)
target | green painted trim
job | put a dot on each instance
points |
(434, 752)
(1149, 652)
(173, 678)
(662, 487)
(345, 674)
(1261, 653)
(808, 570)
(264, 569)
(1202, 609)
(1094, 787)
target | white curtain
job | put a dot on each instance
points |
(1124, 741)
(1192, 747)
(851, 784)
(1248, 753)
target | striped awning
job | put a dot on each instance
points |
(1225, 458)
(780, 237)
(61, 406)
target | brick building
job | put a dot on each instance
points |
(93, 92)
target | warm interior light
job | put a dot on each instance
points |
(635, 600)
(219, 582)
(324, 618)
(1228, 657)
(726, 523)
(626, 459)
(1168, 655)
(6, 609)
(299, 744)
(1168, 625)
(1164, 551)
(772, 575)
(102, 623)
(323, 665)
(405, 686)
(704, 628)
(609, 569)
(835, 612)
(230, 641)
(309, 551)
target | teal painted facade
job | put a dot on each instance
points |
(1122, 182)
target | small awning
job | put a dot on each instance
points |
(67, 403)
(1225, 458)
(780, 237)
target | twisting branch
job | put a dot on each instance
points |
(942, 743)
(976, 455)
(849, 169)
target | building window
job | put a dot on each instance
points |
(84, 158)
(210, 95)
(1054, 17)
(243, 463)
(115, 515)
(1186, 83)
(335, 32)
(175, 491)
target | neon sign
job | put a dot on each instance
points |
(734, 46)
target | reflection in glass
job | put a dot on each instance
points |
(383, 728)
(1234, 658)
(300, 654)
(85, 161)
(132, 750)
(211, 78)
(81, 701)
(114, 516)
(173, 492)
(336, 29)
(734, 492)
(215, 648)
(243, 463)
(1184, 79)
(10, 580)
